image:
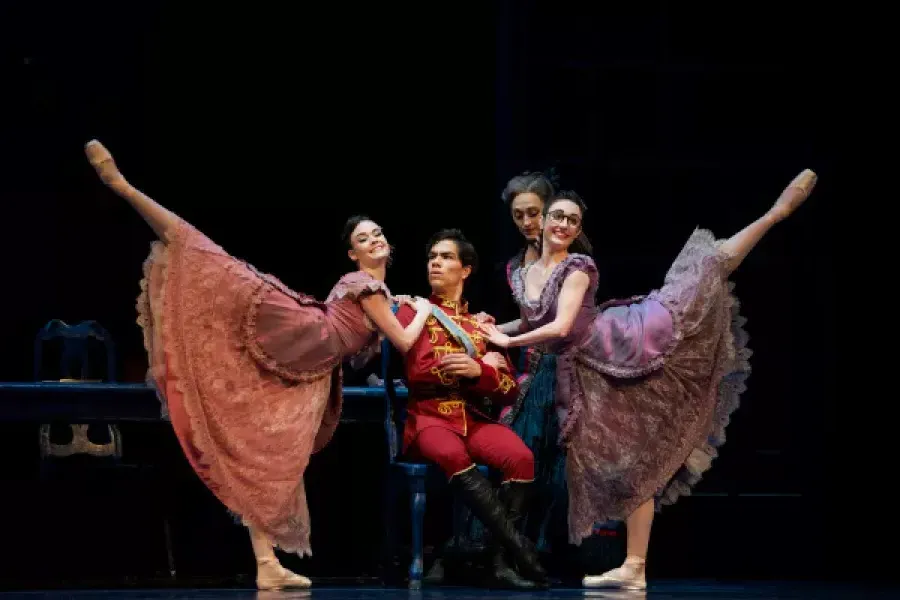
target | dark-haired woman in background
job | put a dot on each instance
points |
(645, 386)
(533, 416)
(249, 370)
(525, 196)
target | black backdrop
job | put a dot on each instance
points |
(267, 128)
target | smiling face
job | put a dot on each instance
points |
(368, 246)
(562, 224)
(527, 213)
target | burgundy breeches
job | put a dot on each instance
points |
(491, 444)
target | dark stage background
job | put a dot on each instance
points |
(267, 128)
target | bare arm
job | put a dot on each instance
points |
(570, 298)
(378, 309)
(511, 327)
(507, 328)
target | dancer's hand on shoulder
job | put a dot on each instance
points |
(422, 304)
(402, 299)
(495, 336)
(483, 317)
(414, 302)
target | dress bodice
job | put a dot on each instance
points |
(299, 337)
(537, 312)
(624, 338)
(345, 315)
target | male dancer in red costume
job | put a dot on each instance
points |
(449, 371)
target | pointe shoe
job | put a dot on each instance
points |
(627, 577)
(103, 163)
(794, 195)
(270, 575)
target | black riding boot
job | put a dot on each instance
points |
(479, 495)
(514, 495)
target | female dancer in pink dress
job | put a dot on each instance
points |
(249, 370)
(645, 386)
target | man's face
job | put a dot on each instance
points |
(445, 271)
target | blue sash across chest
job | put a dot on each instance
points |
(458, 333)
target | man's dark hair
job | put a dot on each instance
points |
(467, 255)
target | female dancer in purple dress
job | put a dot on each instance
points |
(532, 416)
(249, 370)
(645, 386)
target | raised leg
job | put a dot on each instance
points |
(160, 219)
(417, 510)
(740, 244)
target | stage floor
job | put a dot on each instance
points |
(680, 590)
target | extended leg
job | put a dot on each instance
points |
(270, 575)
(739, 245)
(160, 219)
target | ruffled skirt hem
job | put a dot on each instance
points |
(246, 431)
(706, 371)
